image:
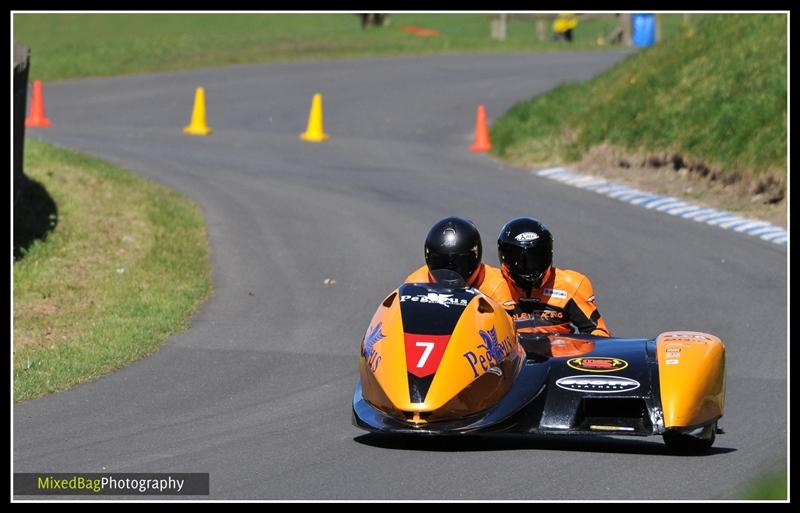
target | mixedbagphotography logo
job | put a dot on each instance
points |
(110, 484)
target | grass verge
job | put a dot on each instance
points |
(770, 487)
(74, 45)
(123, 265)
(711, 100)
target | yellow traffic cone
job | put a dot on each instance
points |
(314, 132)
(198, 124)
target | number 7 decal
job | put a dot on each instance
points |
(424, 352)
(428, 348)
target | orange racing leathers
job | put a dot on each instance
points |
(564, 303)
(488, 280)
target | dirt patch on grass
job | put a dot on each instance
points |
(760, 196)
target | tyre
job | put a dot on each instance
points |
(695, 441)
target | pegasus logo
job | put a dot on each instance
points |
(373, 337)
(495, 351)
(493, 348)
(440, 299)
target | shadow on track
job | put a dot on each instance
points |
(525, 442)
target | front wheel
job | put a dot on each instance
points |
(691, 441)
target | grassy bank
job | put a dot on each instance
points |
(714, 94)
(769, 487)
(121, 265)
(82, 45)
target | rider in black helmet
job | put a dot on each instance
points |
(454, 243)
(547, 299)
(525, 248)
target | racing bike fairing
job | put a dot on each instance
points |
(692, 377)
(434, 353)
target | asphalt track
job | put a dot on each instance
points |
(258, 391)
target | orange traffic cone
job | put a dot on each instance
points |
(481, 143)
(36, 117)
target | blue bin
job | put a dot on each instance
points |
(644, 30)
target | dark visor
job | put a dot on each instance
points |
(462, 263)
(530, 261)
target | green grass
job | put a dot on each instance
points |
(124, 263)
(714, 92)
(770, 487)
(67, 46)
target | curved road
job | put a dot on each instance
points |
(258, 391)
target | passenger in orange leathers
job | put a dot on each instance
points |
(544, 299)
(455, 244)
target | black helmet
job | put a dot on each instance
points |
(455, 244)
(525, 249)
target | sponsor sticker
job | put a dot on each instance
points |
(373, 336)
(488, 354)
(446, 300)
(672, 362)
(694, 336)
(560, 294)
(673, 349)
(597, 364)
(598, 427)
(550, 315)
(687, 336)
(597, 384)
(526, 237)
(673, 355)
